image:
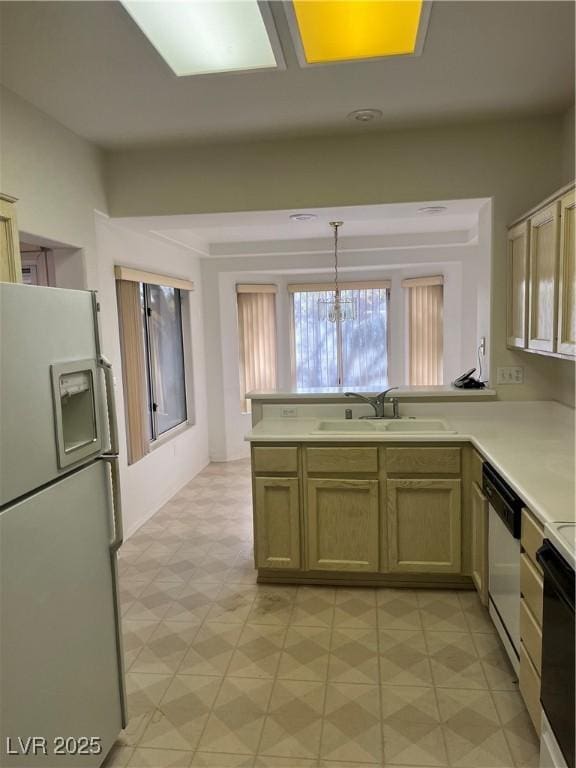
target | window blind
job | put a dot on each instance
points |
(353, 353)
(133, 369)
(152, 278)
(344, 286)
(425, 331)
(257, 337)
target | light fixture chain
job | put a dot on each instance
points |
(335, 225)
(336, 258)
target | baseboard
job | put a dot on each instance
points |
(165, 499)
(351, 579)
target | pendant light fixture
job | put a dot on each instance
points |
(336, 309)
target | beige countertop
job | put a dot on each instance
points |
(337, 393)
(530, 443)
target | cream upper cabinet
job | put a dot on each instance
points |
(567, 277)
(479, 509)
(277, 522)
(342, 525)
(10, 265)
(541, 279)
(424, 526)
(517, 286)
(544, 250)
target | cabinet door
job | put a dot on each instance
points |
(10, 265)
(544, 249)
(277, 520)
(424, 526)
(342, 525)
(480, 542)
(567, 277)
(517, 286)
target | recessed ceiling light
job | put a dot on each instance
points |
(303, 216)
(365, 115)
(198, 37)
(432, 210)
(344, 30)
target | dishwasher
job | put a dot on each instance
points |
(504, 525)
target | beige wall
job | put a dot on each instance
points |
(149, 483)
(568, 134)
(56, 176)
(517, 163)
(58, 180)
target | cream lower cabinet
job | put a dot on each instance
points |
(479, 512)
(424, 526)
(277, 522)
(342, 522)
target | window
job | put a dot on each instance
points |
(257, 339)
(153, 359)
(425, 330)
(353, 353)
(166, 385)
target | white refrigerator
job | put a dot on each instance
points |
(62, 699)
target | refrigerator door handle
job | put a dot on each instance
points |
(110, 402)
(118, 536)
(115, 545)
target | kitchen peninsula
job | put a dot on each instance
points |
(397, 502)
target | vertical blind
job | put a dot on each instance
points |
(257, 337)
(353, 353)
(133, 369)
(425, 330)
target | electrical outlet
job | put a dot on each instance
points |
(510, 374)
(289, 413)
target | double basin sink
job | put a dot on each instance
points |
(369, 426)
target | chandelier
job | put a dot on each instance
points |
(336, 309)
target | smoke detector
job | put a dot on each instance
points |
(365, 115)
(432, 210)
(303, 217)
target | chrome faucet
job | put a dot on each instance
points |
(378, 403)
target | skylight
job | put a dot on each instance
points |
(199, 37)
(344, 30)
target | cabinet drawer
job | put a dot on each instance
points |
(532, 537)
(531, 635)
(422, 460)
(275, 459)
(531, 587)
(477, 462)
(530, 688)
(357, 460)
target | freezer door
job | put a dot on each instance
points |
(51, 390)
(59, 653)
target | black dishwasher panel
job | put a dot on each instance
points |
(558, 648)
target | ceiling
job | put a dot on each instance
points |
(365, 227)
(88, 65)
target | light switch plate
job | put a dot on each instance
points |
(510, 374)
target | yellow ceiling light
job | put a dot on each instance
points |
(340, 30)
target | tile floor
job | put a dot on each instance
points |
(222, 672)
